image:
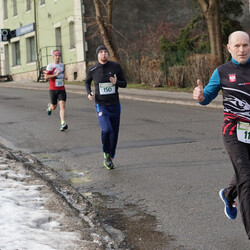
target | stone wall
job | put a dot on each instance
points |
(32, 75)
(76, 71)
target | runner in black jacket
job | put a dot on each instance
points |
(107, 76)
(234, 80)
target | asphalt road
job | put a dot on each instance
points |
(170, 166)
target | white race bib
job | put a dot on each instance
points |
(59, 82)
(106, 88)
(243, 132)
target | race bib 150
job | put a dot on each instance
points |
(106, 88)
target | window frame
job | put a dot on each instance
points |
(16, 53)
(14, 2)
(5, 9)
(30, 49)
(72, 37)
(28, 5)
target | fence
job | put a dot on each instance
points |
(45, 54)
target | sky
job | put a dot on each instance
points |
(24, 221)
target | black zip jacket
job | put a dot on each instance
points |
(101, 73)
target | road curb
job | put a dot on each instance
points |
(154, 96)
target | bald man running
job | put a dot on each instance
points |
(233, 78)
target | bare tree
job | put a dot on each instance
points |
(211, 11)
(105, 26)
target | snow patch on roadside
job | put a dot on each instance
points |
(24, 221)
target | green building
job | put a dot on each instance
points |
(32, 29)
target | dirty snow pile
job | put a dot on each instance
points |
(24, 221)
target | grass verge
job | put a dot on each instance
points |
(143, 86)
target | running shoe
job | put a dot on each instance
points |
(63, 127)
(49, 109)
(112, 164)
(230, 210)
(107, 162)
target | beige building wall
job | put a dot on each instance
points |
(52, 18)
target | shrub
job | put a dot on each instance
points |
(178, 76)
(144, 69)
(201, 66)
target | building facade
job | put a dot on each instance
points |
(32, 29)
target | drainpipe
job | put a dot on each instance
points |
(83, 35)
(36, 34)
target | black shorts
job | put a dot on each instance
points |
(59, 95)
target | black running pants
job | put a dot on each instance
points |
(239, 154)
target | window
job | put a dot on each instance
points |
(30, 49)
(42, 2)
(14, 8)
(6, 59)
(28, 7)
(16, 59)
(58, 37)
(5, 9)
(72, 35)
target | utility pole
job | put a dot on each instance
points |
(36, 37)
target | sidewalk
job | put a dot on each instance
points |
(156, 96)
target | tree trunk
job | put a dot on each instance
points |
(109, 17)
(105, 28)
(211, 11)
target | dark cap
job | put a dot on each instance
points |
(99, 48)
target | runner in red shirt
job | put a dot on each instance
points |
(55, 74)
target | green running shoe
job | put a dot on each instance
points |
(107, 162)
